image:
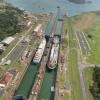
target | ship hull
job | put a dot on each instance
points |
(53, 59)
(39, 53)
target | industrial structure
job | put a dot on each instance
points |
(7, 40)
(38, 30)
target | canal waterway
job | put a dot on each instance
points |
(28, 80)
(30, 75)
(59, 28)
(48, 82)
(50, 25)
(38, 6)
(50, 76)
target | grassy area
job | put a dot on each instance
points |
(91, 28)
(94, 42)
(88, 80)
(73, 76)
(83, 21)
(63, 77)
(89, 23)
(72, 61)
(67, 96)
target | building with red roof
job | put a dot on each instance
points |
(6, 80)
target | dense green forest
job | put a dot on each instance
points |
(95, 89)
(9, 18)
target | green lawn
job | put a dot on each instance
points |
(88, 80)
(73, 76)
(72, 61)
(94, 31)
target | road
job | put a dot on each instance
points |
(84, 48)
(85, 39)
(26, 33)
(82, 43)
(18, 49)
(17, 52)
(83, 88)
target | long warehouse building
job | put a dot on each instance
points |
(7, 40)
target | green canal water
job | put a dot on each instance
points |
(28, 80)
(50, 25)
(49, 80)
(59, 28)
(50, 76)
(30, 75)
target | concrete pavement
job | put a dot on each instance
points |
(83, 44)
(81, 77)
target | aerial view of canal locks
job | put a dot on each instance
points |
(49, 50)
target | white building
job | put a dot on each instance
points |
(7, 40)
(38, 28)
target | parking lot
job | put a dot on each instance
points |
(83, 43)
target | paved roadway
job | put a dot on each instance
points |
(18, 49)
(82, 43)
(83, 88)
(85, 41)
(84, 48)
(17, 52)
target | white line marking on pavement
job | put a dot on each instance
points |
(18, 42)
(86, 40)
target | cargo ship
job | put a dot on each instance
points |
(53, 59)
(40, 51)
(56, 40)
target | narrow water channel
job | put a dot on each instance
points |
(30, 75)
(59, 28)
(48, 82)
(50, 76)
(28, 80)
(50, 25)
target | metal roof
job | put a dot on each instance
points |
(7, 40)
(38, 28)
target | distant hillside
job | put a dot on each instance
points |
(78, 1)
